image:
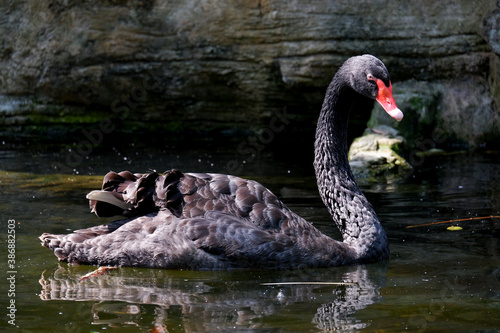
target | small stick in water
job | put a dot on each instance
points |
(452, 221)
(97, 272)
(305, 283)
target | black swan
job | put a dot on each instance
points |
(213, 221)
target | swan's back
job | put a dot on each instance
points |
(192, 195)
(195, 221)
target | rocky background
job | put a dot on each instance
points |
(222, 67)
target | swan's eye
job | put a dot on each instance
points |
(370, 77)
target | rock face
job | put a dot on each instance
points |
(231, 64)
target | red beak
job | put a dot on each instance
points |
(386, 100)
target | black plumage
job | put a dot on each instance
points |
(215, 221)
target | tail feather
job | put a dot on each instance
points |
(130, 194)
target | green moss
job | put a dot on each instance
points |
(87, 117)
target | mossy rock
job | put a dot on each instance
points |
(377, 153)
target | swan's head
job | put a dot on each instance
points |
(369, 77)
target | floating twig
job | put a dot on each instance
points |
(97, 272)
(305, 283)
(452, 221)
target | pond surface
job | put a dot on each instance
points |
(436, 280)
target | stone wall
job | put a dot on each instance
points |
(229, 64)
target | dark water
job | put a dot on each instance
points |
(436, 280)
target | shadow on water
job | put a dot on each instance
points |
(436, 280)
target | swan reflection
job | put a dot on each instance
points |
(206, 301)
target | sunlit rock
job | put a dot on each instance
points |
(376, 153)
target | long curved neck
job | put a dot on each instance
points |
(351, 211)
